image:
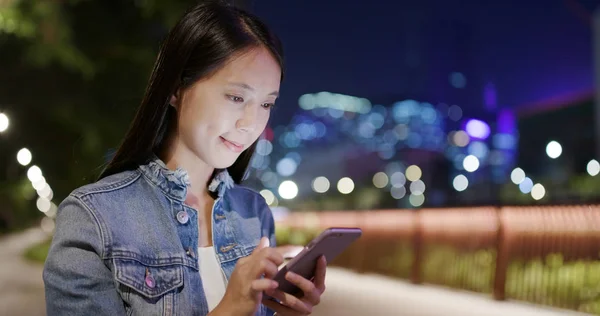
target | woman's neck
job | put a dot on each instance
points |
(199, 172)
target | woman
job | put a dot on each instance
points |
(167, 230)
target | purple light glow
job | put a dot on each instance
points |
(490, 97)
(477, 129)
(507, 122)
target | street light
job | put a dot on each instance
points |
(34, 173)
(24, 157)
(3, 122)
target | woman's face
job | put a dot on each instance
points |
(221, 116)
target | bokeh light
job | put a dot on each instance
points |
(268, 195)
(416, 200)
(320, 184)
(471, 163)
(460, 138)
(39, 184)
(517, 176)
(47, 225)
(43, 204)
(526, 185)
(24, 157)
(417, 187)
(34, 174)
(458, 80)
(4, 122)
(288, 190)
(413, 173)
(398, 192)
(553, 149)
(477, 129)
(286, 167)
(460, 183)
(538, 191)
(398, 179)
(46, 192)
(593, 167)
(264, 147)
(380, 180)
(345, 185)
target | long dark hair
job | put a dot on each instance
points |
(198, 45)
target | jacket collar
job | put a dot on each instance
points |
(174, 183)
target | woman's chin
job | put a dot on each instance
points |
(223, 162)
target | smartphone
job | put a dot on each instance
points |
(329, 243)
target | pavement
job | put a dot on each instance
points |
(351, 294)
(21, 286)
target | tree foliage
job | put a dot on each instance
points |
(72, 73)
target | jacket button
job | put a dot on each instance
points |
(149, 280)
(190, 252)
(183, 217)
(227, 248)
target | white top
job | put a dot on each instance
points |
(213, 279)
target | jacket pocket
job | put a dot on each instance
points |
(150, 281)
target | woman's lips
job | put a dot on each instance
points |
(233, 146)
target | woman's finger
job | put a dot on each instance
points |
(320, 274)
(311, 293)
(261, 285)
(292, 302)
(266, 262)
(266, 268)
(281, 310)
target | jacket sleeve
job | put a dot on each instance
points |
(267, 222)
(76, 279)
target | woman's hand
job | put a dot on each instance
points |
(312, 291)
(244, 291)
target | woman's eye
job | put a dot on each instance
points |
(268, 105)
(235, 98)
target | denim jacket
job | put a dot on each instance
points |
(126, 245)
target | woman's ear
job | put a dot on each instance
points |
(174, 100)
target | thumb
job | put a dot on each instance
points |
(264, 243)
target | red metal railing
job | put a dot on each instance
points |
(547, 255)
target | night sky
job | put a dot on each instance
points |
(389, 50)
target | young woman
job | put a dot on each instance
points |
(167, 230)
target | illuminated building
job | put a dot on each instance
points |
(335, 136)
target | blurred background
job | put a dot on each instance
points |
(462, 136)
